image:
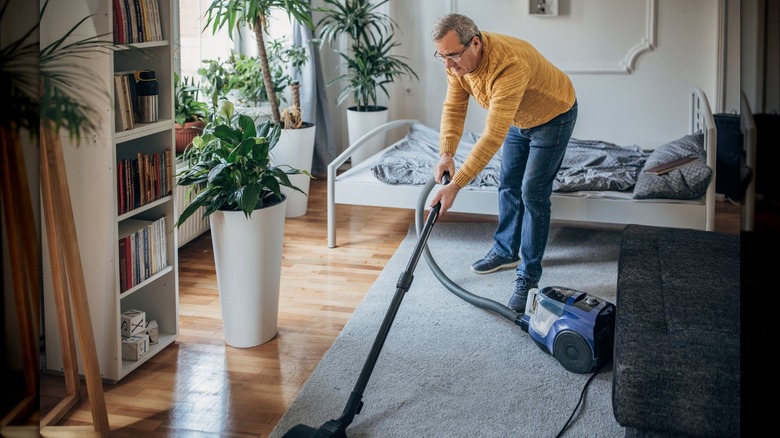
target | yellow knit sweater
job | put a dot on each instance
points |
(516, 84)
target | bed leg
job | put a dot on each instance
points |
(331, 218)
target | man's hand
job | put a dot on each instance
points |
(446, 195)
(445, 164)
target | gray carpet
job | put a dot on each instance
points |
(451, 369)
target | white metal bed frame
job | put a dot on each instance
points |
(357, 186)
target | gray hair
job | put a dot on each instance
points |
(463, 26)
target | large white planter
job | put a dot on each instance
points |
(248, 260)
(296, 148)
(358, 124)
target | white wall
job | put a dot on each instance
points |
(623, 98)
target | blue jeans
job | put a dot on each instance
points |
(531, 159)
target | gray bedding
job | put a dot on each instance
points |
(587, 165)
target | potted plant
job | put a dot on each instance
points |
(239, 78)
(369, 63)
(240, 191)
(191, 113)
(255, 14)
(297, 140)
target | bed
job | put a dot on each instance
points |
(695, 209)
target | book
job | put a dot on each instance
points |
(157, 25)
(123, 265)
(125, 6)
(671, 165)
(142, 5)
(120, 105)
(132, 231)
(132, 83)
(139, 21)
(125, 103)
(116, 29)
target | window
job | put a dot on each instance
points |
(197, 43)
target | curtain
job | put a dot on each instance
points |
(314, 101)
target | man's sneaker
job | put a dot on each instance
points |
(520, 295)
(492, 262)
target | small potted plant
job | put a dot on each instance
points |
(240, 190)
(191, 113)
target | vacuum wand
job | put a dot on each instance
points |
(338, 427)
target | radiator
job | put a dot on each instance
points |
(195, 224)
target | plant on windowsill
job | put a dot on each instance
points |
(190, 115)
(240, 190)
(239, 78)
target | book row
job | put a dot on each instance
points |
(143, 179)
(142, 251)
(137, 21)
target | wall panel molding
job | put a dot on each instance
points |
(627, 65)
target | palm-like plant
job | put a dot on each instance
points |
(255, 14)
(45, 84)
(356, 18)
(370, 65)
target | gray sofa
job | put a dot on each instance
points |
(677, 333)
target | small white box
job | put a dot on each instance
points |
(134, 347)
(133, 322)
(153, 331)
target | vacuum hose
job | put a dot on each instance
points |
(482, 302)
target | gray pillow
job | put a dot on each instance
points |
(689, 181)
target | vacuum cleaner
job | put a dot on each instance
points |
(573, 326)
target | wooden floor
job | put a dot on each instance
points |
(200, 387)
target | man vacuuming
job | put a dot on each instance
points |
(532, 110)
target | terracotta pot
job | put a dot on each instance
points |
(185, 134)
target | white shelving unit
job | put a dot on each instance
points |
(92, 177)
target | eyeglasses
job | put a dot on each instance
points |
(454, 57)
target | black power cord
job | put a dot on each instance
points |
(579, 402)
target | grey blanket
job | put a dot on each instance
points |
(587, 165)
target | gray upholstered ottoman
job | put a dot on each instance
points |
(677, 333)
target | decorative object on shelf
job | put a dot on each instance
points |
(148, 91)
(190, 113)
(240, 190)
(370, 65)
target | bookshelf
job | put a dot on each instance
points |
(103, 217)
